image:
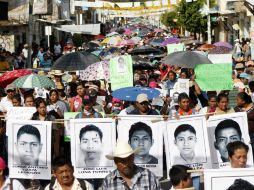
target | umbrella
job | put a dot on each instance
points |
(112, 40)
(156, 42)
(186, 59)
(144, 50)
(112, 34)
(206, 47)
(32, 81)
(143, 66)
(172, 40)
(99, 37)
(131, 93)
(223, 44)
(136, 59)
(158, 30)
(10, 76)
(220, 50)
(75, 61)
(107, 51)
(126, 43)
(127, 31)
(136, 39)
(96, 71)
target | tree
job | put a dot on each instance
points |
(190, 18)
(169, 19)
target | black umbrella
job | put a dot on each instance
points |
(143, 66)
(144, 50)
(186, 59)
(79, 60)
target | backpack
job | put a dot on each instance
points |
(53, 180)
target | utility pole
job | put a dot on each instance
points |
(30, 34)
(209, 39)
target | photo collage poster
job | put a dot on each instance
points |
(91, 140)
(141, 132)
(223, 129)
(29, 149)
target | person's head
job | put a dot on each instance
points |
(243, 99)
(53, 95)
(29, 100)
(87, 103)
(141, 135)
(41, 106)
(185, 139)
(241, 184)
(237, 154)
(16, 100)
(239, 67)
(80, 90)
(10, 92)
(184, 101)
(225, 132)
(142, 103)
(179, 176)
(212, 101)
(251, 86)
(184, 75)
(63, 171)
(90, 138)
(244, 78)
(28, 145)
(143, 80)
(171, 75)
(222, 101)
(250, 65)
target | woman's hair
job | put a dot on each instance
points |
(38, 101)
(245, 97)
(53, 90)
(172, 73)
(220, 96)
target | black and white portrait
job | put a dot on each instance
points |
(92, 140)
(229, 179)
(30, 146)
(223, 129)
(142, 133)
(186, 142)
(122, 66)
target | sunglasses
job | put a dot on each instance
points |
(144, 103)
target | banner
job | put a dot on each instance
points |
(29, 149)
(220, 58)
(186, 142)
(223, 129)
(67, 130)
(121, 73)
(20, 113)
(229, 179)
(18, 10)
(182, 85)
(144, 133)
(212, 77)
(40, 7)
(91, 140)
(175, 47)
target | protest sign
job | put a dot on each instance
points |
(121, 73)
(219, 128)
(182, 85)
(91, 140)
(175, 47)
(236, 178)
(29, 149)
(21, 113)
(141, 130)
(67, 131)
(220, 58)
(212, 77)
(186, 142)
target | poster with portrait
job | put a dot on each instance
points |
(144, 132)
(175, 48)
(29, 149)
(229, 179)
(67, 130)
(91, 140)
(223, 129)
(186, 142)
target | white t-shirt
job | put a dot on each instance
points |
(57, 49)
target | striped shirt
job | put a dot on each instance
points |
(143, 179)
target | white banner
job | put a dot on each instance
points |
(220, 58)
(91, 140)
(142, 132)
(29, 149)
(223, 129)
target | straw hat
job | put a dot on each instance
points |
(122, 150)
(41, 73)
(57, 72)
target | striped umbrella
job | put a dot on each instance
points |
(32, 81)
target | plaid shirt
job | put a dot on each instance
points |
(143, 179)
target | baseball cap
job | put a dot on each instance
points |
(244, 75)
(142, 98)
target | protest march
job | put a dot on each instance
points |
(134, 109)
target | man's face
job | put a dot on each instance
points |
(10, 93)
(185, 142)
(125, 166)
(142, 140)
(184, 104)
(224, 137)
(143, 106)
(239, 159)
(91, 145)
(29, 149)
(64, 175)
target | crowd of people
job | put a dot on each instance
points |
(75, 95)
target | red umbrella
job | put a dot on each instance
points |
(206, 47)
(9, 76)
(99, 37)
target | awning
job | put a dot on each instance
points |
(92, 29)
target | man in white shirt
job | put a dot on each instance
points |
(6, 101)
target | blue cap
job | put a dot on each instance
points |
(245, 76)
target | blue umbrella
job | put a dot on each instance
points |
(131, 93)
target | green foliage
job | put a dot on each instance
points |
(169, 19)
(189, 16)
